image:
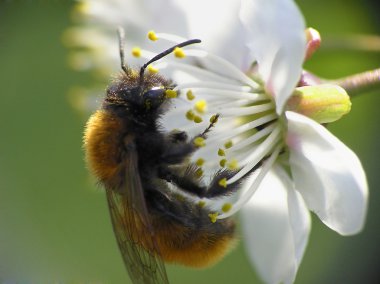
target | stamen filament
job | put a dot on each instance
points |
(223, 105)
(248, 141)
(241, 129)
(226, 66)
(253, 97)
(171, 38)
(252, 184)
(262, 150)
(213, 105)
(194, 71)
(247, 110)
(216, 86)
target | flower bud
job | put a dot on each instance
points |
(313, 42)
(323, 103)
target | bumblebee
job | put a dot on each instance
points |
(139, 164)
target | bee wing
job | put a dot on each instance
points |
(133, 229)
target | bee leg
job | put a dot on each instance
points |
(177, 136)
(176, 153)
(178, 149)
(213, 121)
(218, 188)
(188, 182)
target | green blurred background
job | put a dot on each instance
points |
(54, 223)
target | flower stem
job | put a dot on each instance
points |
(360, 83)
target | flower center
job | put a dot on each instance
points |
(247, 138)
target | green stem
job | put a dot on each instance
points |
(360, 83)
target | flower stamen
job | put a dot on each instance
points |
(262, 150)
(200, 162)
(255, 137)
(189, 95)
(171, 94)
(201, 106)
(243, 128)
(136, 51)
(170, 37)
(213, 216)
(152, 69)
(179, 53)
(152, 36)
(252, 184)
(233, 165)
(197, 119)
(248, 110)
(226, 207)
(226, 66)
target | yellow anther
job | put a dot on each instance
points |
(198, 119)
(190, 96)
(152, 69)
(221, 152)
(200, 162)
(233, 165)
(179, 53)
(190, 115)
(213, 216)
(152, 36)
(222, 163)
(180, 197)
(228, 144)
(199, 173)
(199, 142)
(201, 203)
(226, 207)
(200, 106)
(214, 119)
(223, 182)
(136, 51)
(170, 94)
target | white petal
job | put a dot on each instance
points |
(328, 174)
(164, 16)
(276, 226)
(276, 39)
(217, 24)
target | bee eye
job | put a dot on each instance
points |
(155, 97)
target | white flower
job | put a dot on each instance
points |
(299, 165)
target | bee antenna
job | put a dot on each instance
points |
(163, 54)
(121, 36)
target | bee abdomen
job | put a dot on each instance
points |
(103, 143)
(197, 248)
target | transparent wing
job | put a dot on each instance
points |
(133, 229)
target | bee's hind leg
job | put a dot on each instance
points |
(186, 179)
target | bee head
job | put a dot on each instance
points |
(131, 92)
(140, 92)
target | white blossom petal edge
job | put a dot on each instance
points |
(328, 174)
(277, 225)
(275, 37)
